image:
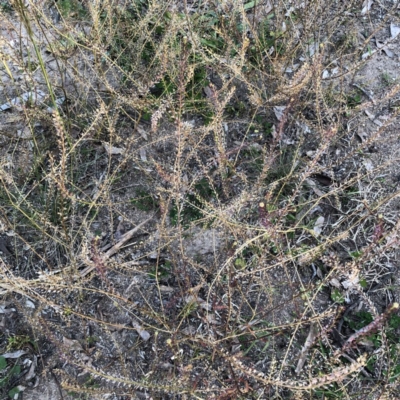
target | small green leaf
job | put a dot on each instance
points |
(214, 44)
(356, 254)
(291, 234)
(143, 200)
(363, 283)
(250, 5)
(394, 321)
(337, 296)
(15, 370)
(240, 263)
(13, 392)
(146, 116)
(3, 363)
(291, 217)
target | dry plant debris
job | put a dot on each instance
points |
(199, 199)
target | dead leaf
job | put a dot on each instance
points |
(373, 119)
(111, 150)
(335, 71)
(143, 156)
(30, 304)
(353, 281)
(368, 54)
(267, 8)
(289, 11)
(209, 91)
(366, 6)
(142, 332)
(31, 373)
(4, 310)
(383, 46)
(335, 283)
(362, 136)
(166, 289)
(58, 102)
(384, 117)
(325, 74)
(388, 52)
(15, 354)
(312, 334)
(25, 133)
(322, 179)
(273, 131)
(310, 154)
(319, 225)
(293, 68)
(189, 330)
(278, 111)
(73, 345)
(211, 319)
(368, 165)
(394, 30)
(314, 187)
(199, 300)
(312, 48)
(142, 132)
(33, 96)
(370, 115)
(166, 365)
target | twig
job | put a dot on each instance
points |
(125, 237)
(307, 345)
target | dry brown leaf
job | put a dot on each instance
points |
(394, 30)
(366, 6)
(72, 344)
(335, 283)
(142, 332)
(143, 156)
(199, 300)
(14, 354)
(166, 289)
(142, 132)
(319, 224)
(312, 334)
(278, 111)
(31, 373)
(111, 150)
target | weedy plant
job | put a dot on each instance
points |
(184, 182)
(7, 377)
